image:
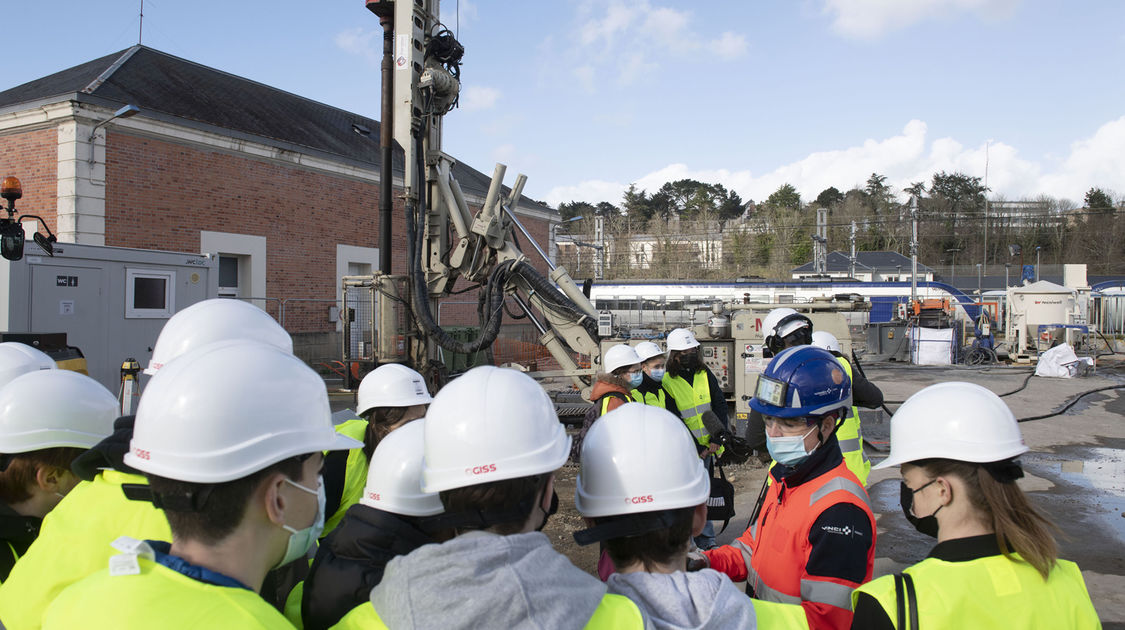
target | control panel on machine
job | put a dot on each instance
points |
(717, 358)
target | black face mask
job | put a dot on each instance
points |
(690, 362)
(928, 525)
(550, 512)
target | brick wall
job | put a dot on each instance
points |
(32, 156)
(160, 195)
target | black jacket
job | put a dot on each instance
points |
(350, 562)
(17, 532)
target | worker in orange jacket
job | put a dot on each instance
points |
(812, 540)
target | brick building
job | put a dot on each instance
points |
(283, 189)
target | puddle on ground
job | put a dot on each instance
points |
(1100, 474)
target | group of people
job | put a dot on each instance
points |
(233, 500)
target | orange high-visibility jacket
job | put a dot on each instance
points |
(773, 554)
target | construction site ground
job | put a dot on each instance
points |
(1075, 473)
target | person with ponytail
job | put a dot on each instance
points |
(996, 563)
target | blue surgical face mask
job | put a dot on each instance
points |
(789, 451)
(657, 374)
(301, 540)
(635, 379)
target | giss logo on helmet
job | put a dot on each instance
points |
(480, 470)
(374, 496)
(639, 499)
(141, 453)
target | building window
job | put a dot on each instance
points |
(149, 294)
(229, 272)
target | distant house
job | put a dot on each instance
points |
(869, 267)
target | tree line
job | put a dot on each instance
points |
(770, 237)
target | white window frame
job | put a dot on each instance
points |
(169, 309)
(251, 252)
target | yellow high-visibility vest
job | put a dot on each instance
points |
(158, 597)
(614, 611)
(991, 592)
(850, 438)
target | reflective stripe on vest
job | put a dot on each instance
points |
(831, 593)
(991, 592)
(779, 547)
(841, 483)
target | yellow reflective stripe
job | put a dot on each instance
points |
(699, 433)
(830, 593)
(840, 483)
(854, 444)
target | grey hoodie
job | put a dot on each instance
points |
(482, 581)
(686, 601)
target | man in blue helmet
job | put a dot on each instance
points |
(812, 539)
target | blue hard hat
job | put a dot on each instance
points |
(802, 381)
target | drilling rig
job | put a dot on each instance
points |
(447, 242)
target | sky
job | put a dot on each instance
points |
(586, 97)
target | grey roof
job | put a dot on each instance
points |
(864, 261)
(165, 86)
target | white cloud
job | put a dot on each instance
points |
(504, 153)
(630, 40)
(1097, 161)
(729, 46)
(361, 41)
(904, 158)
(475, 98)
(870, 19)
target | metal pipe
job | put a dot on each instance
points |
(493, 191)
(459, 220)
(529, 237)
(531, 316)
(386, 144)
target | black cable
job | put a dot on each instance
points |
(490, 329)
(1071, 403)
(1021, 387)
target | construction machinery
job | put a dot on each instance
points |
(447, 242)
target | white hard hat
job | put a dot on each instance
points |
(639, 459)
(491, 424)
(647, 349)
(213, 320)
(394, 478)
(392, 385)
(53, 408)
(682, 339)
(959, 421)
(619, 356)
(772, 325)
(18, 358)
(228, 410)
(826, 340)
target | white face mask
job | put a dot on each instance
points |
(301, 540)
(790, 450)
